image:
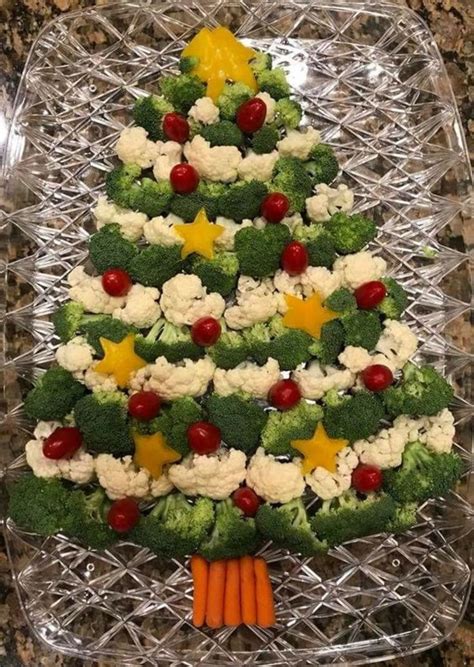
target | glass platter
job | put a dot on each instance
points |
(372, 80)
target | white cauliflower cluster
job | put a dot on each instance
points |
(315, 380)
(385, 448)
(120, 478)
(88, 291)
(97, 381)
(226, 240)
(273, 480)
(270, 103)
(356, 359)
(327, 201)
(255, 302)
(168, 155)
(76, 355)
(141, 307)
(133, 147)
(160, 230)
(171, 381)
(257, 167)
(204, 111)
(329, 485)
(215, 476)
(321, 280)
(131, 222)
(247, 377)
(437, 432)
(219, 163)
(397, 343)
(299, 144)
(359, 268)
(185, 300)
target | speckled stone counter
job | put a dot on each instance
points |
(452, 23)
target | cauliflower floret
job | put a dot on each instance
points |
(298, 144)
(359, 268)
(437, 432)
(385, 448)
(286, 284)
(131, 222)
(134, 147)
(321, 280)
(215, 476)
(247, 377)
(97, 381)
(270, 103)
(315, 380)
(226, 240)
(219, 163)
(204, 111)
(397, 343)
(168, 155)
(161, 486)
(79, 468)
(355, 358)
(185, 300)
(275, 481)
(76, 355)
(141, 307)
(329, 485)
(257, 167)
(88, 291)
(293, 221)
(255, 302)
(171, 381)
(120, 478)
(160, 230)
(339, 199)
(44, 429)
(317, 208)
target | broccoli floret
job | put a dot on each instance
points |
(187, 64)
(346, 517)
(274, 83)
(395, 301)
(230, 350)
(167, 340)
(233, 535)
(119, 183)
(108, 249)
(404, 518)
(96, 327)
(290, 347)
(67, 320)
(206, 196)
(341, 301)
(318, 243)
(241, 420)
(87, 519)
(174, 528)
(322, 166)
(242, 200)
(289, 528)
(232, 96)
(259, 250)
(422, 475)
(291, 179)
(38, 505)
(156, 264)
(288, 113)
(265, 139)
(54, 395)
(261, 62)
(352, 417)
(218, 274)
(182, 91)
(330, 343)
(350, 233)
(151, 197)
(224, 133)
(299, 423)
(102, 420)
(421, 391)
(148, 113)
(362, 329)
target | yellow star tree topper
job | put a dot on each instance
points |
(120, 359)
(152, 453)
(319, 450)
(221, 57)
(199, 236)
(307, 314)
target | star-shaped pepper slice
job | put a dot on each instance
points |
(120, 359)
(199, 236)
(320, 450)
(307, 314)
(152, 453)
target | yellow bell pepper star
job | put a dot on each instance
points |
(199, 236)
(320, 450)
(120, 359)
(152, 453)
(307, 314)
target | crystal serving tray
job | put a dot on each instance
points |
(371, 79)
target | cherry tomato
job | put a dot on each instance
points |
(205, 331)
(246, 500)
(251, 115)
(366, 478)
(377, 377)
(370, 294)
(275, 206)
(294, 258)
(62, 443)
(176, 127)
(116, 282)
(184, 178)
(123, 515)
(144, 405)
(284, 394)
(204, 437)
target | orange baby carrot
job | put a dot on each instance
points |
(232, 611)
(215, 594)
(247, 591)
(200, 572)
(264, 594)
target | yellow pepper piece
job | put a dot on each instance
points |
(320, 450)
(199, 236)
(120, 359)
(152, 453)
(308, 314)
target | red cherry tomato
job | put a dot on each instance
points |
(251, 115)
(294, 258)
(204, 437)
(184, 178)
(366, 478)
(176, 127)
(274, 207)
(116, 282)
(246, 500)
(62, 443)
(284, 394)
(377, 377)
(123, 515)
(370, 294)
(144, 405)
(205, 331)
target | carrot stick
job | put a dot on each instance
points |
(215, 594)
(200, 572)
(232, 612)
(264, 594)
(247, 591)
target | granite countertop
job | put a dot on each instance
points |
(451, 22)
